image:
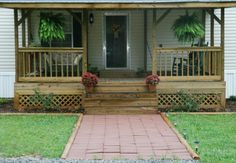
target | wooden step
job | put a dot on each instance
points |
(121, 95)
(117, 89)
(94, 102)
(120, 110)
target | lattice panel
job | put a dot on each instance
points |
(210, 99)
(62, 101)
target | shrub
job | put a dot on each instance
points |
(188, 103)
(43, 100)
(3, 101)
(232, 98)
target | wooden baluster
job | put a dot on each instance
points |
(193, 66)
(203, 62)
(34, 65)
(29, 56)
(56, 62)
(182, 58)
(50, 54)
(40, 64)
(209, 62)
(160, 63)
(165, 64)
(72, 64)
(62, 74)
(198, 63)
(215, 60)
(24, 64)
(78, 68)
(45, 64)
(67, 64)
(177, 63)
(188, 63)
(171, 61)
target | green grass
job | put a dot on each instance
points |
(34, 135)
(216, 133)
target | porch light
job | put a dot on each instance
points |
(196, 142)
(91, 18)
(185, 133)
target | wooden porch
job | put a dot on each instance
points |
(198, 70)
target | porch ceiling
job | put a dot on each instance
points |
(114, 4)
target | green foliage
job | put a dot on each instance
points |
(216, 134)
(43, 100)
(51, 27)
(3, 101)
(34, 135)
(92, 69)
(232, 98)
(188, 103)
(188, 27)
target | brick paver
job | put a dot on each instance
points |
(126, 137)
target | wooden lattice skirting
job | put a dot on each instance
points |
(64, 96)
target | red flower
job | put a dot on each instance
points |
(152, 79)
(89, 79)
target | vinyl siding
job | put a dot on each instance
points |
(230, 46)
(7, 53)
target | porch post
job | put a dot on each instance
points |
(222, 42)
(85, 40)
(212, 28)
(154, 56)
(16, 44)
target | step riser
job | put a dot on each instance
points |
(121, 98)
(121, 95)
(121, 110)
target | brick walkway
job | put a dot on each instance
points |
(126, 137)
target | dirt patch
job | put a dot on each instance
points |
(7, 107)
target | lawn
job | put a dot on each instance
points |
(34, 135)
(216, 133)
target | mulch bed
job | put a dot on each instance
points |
(8, 107)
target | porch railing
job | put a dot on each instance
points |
(195, 63)
(49, 64)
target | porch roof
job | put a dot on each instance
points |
(125, 4)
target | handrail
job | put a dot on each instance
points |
(206, 49)
(42, 49)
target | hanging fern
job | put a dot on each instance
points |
(188, 27)
(51, 27)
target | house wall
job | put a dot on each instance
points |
(7, 53)
(96, 54)
(230, 48)
(165, 36)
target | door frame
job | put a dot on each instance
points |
(117, 13)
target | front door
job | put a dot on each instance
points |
(116, 41)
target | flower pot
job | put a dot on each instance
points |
(151, 87)
(89, 89)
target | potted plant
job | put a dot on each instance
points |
(89, 80)
(51, 27)
(188, 27)
(152, 81)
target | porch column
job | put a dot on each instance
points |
(85, 40)
(212, 27)
(222, 43)
(154, 56)
(16, 44)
